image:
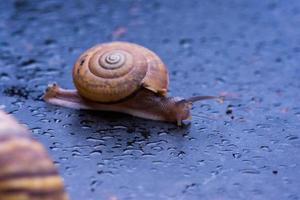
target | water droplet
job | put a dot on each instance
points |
(251, 130)
(250, 171)
(4, 77)
(44, 120)
(36, 130)
(263, 126)
(236, 155)
(57, 120)
(96, 153)
(94, 184)
(93, 139)
(76, 152)
(292, 137)
(265, 148)
(185, 42)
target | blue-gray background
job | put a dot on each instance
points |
(248, 51)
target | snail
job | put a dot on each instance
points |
(123, 77)
(26, 171)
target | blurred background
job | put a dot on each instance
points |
(248, 51)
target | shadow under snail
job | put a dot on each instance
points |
(123, 77)
(26, 170)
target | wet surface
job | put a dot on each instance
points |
(246, 148)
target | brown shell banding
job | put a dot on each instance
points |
(113, 71)
(113, 59)
(99, 66)
(26, 171)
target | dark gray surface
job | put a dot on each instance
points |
(248, 50)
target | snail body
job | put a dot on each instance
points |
(26, 170)
(122, 77)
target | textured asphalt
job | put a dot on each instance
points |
(246, 148)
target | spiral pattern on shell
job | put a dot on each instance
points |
(26, 171)
(113, 71)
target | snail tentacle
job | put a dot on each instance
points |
(201, 98)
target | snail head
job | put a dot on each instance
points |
(184, 106)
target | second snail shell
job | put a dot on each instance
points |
(111, 72)
(26, 170)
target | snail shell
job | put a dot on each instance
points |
(111, 72)
(26, 171)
